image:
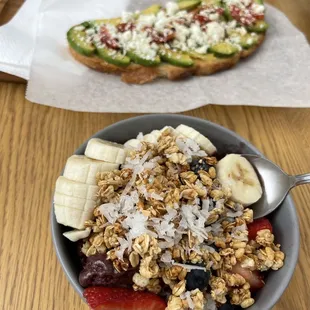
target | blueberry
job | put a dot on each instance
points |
(198, 164)
(197, 279)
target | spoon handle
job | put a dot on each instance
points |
(302, 179)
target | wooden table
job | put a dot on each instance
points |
(35, 142)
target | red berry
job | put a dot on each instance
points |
(258, 225)
(254, 278)
(105, 298)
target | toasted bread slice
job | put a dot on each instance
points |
(137, 74)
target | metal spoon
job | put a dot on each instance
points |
(275, 182)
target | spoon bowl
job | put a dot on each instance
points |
(275, 182)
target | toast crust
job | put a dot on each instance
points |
(137, 74)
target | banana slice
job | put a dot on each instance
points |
(201, 140)
(76, 189)
(72, 217)
(238, 174)
(132, 144)
(173, 131)
(79, 168)
(106, 151)
(152, 137)
(76, 235)
(74, 202)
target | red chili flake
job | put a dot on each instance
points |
(160, 38)
(201, 19)
(259, 16)
(241, 16)
(106, 38)
(235, 12)
(125, 27)
(220, 11)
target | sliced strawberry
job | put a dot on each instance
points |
(105, 298)
(255, 278)
(258, 225)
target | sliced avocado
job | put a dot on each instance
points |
(259, 26)
(223, 50)
(188, 4)
(259, 1)
(245, 41)
(176, 58)
(212, 2)
(77, 40)
(86, 25)
(227, 13)
(153, 9)
(113, 57)
(199, 56)
(142, 61)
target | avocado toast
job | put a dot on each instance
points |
(189, 37)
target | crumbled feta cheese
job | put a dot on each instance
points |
(202, 49)
(257, 8)
(238, 3)
(216, 31)
(161, 21)
(146, 21)
(125, 37)
(234, 39)
(172, 8)
(111, 29)
(79, 28)
(241, 30)
(231, 25)
(214, 16)
(127, 17)
(90, 31)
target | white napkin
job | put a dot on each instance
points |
(276, 75)
(17, 40)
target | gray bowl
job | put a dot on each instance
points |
(284, 220)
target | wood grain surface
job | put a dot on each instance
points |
(35, 143)
(2, 4)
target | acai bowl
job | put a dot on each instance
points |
(179, 237)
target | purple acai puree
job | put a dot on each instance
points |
(99, 271)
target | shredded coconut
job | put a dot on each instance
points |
(166, 257)
(110, 211)
(210, 304)
(189, 267)
(187, 296)
(140, 136)
(234, 214)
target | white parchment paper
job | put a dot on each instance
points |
(278, 74)
(17, 39)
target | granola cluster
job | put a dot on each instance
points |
(159, 216)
